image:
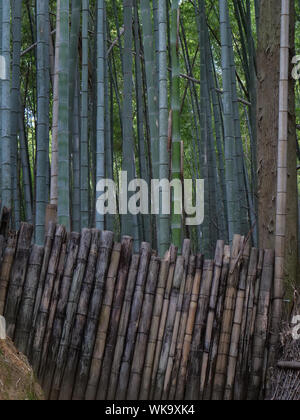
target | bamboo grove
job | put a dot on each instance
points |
(161, 89)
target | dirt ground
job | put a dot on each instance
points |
(17, 381)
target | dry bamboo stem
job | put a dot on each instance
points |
(6, 267)
(122, 330)
(242, 364)
(183, 322)
(143, 332)
(87, 351)
(217, 325)
(24, 322)
(74, 352)
(194, 364)
(170, 326)
(261, 327)
(218, 263)
(229, 306)
(158, 305)
(135, 315)
(2, 246)
(181, 381)
(289, 365)
(237, 325)
(43, 314)
(17, 277)
(282, 181)
(60, 315)
(163, 320)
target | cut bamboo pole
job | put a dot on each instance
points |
(6, 267)
(24, 322)
(143, 331)
(182, 328)
(237, 325)
(60, 315)
(242, 364)
(81, 317)
(122, 329)
(218, 264)
(261, 326)
(17, 277)
(181, 381)
(194, 364)
(43, 314)
(158, 305)
(229, 306)
(136, 310)
(88, 346)
(169, 328)
(163, 320)
(217, 325)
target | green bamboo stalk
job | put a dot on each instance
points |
(76, 226)
(5, 101)
(176, 219)
(84, 159)
(63, 119)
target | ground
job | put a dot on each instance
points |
(17, 381)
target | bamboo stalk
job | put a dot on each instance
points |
(143, 331)
(136, 310)
(88, 347)
(80, 323)
(43, 314)
(6, 267)
(181, 382)
(217, 325)
(218, 264)
(237, 325)
(155, 321)
(24, 322)
(229, 306)
(17, 277)
(183, 322)
(261, 327)
(122, 330)
(169, 327)
(194, 364)
(163, 320)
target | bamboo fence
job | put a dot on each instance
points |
(101, 323)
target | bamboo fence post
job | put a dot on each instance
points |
(237, 325)
(217, 325)
(6, 267)
(229, 306)
(89, 339)
(97, 267)
(158, 305)
(60, 315)
(53, 307)
(181, 381)
(242, 365)
(43, 314)
(81, 317)
(218, 265)
(182, 328)
(169, 327)
(163, 320)
(136, 310)
(143, 331)
(17, 277)
(261, 326)
(24, 322)
(121, 336)
(194, 364)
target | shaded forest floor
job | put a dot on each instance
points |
(17, 381)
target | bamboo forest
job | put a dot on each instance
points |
(98, 100)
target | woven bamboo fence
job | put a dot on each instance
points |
(98, 322)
